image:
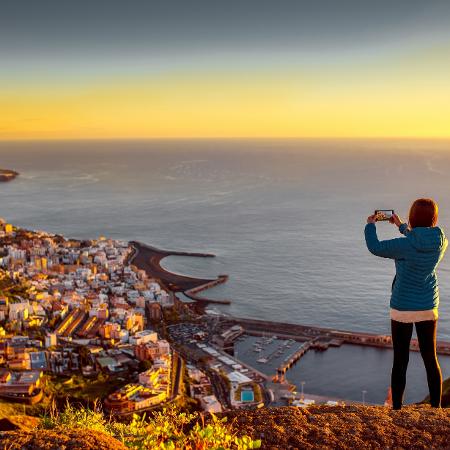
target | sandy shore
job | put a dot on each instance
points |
(148, 258)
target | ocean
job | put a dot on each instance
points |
(284, 217)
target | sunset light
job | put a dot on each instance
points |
(314, 78)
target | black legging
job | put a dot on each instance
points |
(401, 338)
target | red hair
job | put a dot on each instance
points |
(423, 213)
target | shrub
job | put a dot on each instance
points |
(168, 429)
(72, 417)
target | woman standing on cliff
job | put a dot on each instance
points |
(415, 291)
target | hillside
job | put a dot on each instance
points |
(70, 439)
(317, 427)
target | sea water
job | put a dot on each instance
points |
(284, 217)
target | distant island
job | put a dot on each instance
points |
(8, 175)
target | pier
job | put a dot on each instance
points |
(281, 371)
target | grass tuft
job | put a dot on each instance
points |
(169, 429)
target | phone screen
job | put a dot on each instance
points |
(383, 214)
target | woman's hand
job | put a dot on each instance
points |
(372, 218)
(395, 220)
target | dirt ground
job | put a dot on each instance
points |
(357, 427)
(70, 439)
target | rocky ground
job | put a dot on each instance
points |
(71, 439)
(317, 427)
(22, 433)
(345, 427)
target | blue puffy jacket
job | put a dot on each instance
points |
(416, 257)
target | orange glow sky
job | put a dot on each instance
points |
(393, 84)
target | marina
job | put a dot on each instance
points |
(279, 352)
(326, 337)
(271, 351)
(338, 372)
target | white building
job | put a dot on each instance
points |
(51, 340)
(211, 404)
(19, 310)
(194, 373)
(140, 302)
(303, 403)
(236, 378)
(164, 347)
(142, 337)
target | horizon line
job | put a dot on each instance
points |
(186, 138)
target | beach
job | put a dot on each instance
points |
(148, 258)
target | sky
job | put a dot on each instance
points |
(213, 68)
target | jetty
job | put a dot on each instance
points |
(148, 258)
(283, 368)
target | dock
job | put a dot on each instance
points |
(283, 368)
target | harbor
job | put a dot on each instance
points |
(272, 349)
(325, 336)
(292, 355)
(339, 372)
(275, 352)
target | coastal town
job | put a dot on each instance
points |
(100, 320)
(78, 317)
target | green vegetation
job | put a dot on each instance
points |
(225, 378)
(171, 316)
(258, 393)
(8, 409)
(11, 289)
(81, 388)
(237, 394)
(168, 429)
(145, 365)
(183, 401)
(256, 388)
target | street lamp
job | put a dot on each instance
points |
(302, 396)
(364, 397)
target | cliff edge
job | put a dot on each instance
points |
(345, 427)
(315, 427)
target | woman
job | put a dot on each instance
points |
(415, 292)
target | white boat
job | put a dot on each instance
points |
(262, 360)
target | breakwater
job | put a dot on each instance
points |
(192, 293)
(148, 258)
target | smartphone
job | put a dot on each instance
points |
(383, 214)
